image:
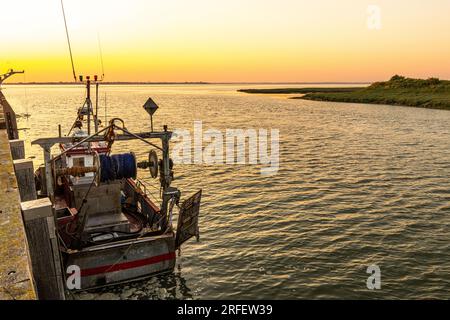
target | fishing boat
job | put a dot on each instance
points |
(107, 224)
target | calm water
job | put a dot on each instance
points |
(358, 185)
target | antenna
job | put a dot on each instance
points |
(68, 42)
(101, 56)
(97, 81)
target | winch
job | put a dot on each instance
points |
(104, 167)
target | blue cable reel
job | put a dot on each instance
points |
(117, 167)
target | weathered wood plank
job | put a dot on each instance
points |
(42, 243)
(17, 149)
(25, 179)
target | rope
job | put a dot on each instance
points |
(116, 167)
(108, 171)
(125, 165)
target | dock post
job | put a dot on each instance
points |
(48, 170)
(25, 179)
(43, 249)
(17, 149)
(43, 186)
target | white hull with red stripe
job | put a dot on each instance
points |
(124, 260)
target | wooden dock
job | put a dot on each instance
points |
(15, 276)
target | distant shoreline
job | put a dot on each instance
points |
(189, 83)
(299, 90)
(423, 93)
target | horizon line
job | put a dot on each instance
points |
(183, 82)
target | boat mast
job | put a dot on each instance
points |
(89, 103)
(91, 116)
(96, 105)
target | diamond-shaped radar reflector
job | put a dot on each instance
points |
(150, 106)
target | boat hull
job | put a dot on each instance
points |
(124, 261)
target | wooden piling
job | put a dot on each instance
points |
(17, 149)
(25, 179)
(43, 249)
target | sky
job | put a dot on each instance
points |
(227, 40)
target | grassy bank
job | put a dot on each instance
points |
(299, 90)
(430, 93)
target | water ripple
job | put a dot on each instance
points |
(358, 185)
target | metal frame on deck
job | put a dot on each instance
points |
(47, 143)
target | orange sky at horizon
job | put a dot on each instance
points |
(226, 41)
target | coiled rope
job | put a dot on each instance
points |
(116, 167)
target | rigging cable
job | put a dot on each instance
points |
(68, 42)
(106, 111)
(101, 56)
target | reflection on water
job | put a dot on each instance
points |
(168, 286)
(358, 185)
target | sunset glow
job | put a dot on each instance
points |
(226, 41)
